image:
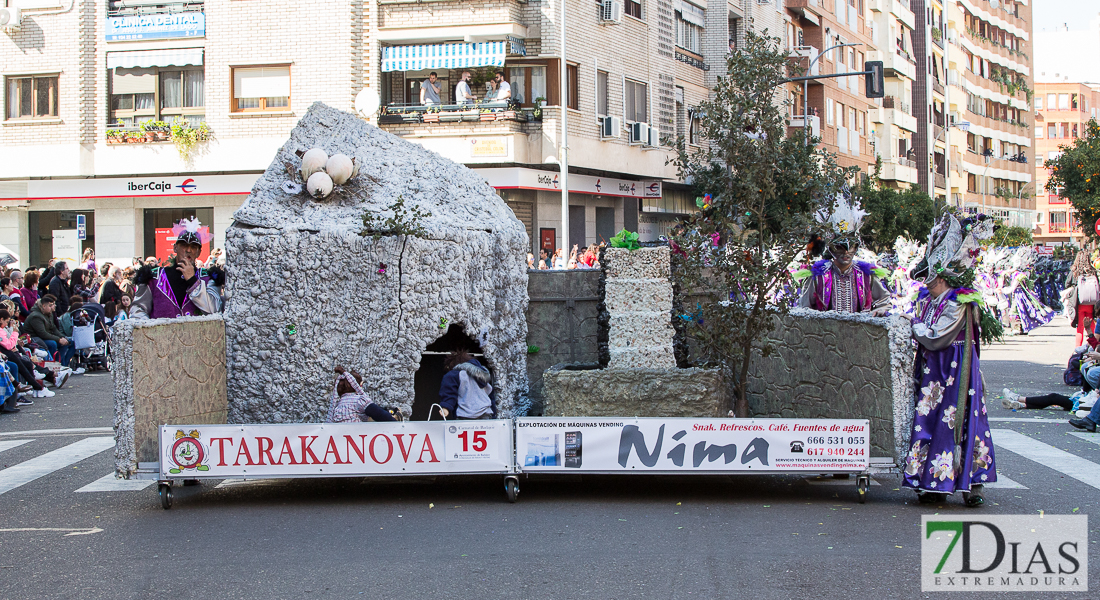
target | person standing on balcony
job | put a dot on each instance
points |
(429, 90)
(504, 90)
(463, 94)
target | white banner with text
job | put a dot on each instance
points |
(336, 449)
(619, 445)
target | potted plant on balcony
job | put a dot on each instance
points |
(487, 114)
(431, 115)
(115, 136)
(186, 137)
(536, 114)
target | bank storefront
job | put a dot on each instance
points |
(122, 217)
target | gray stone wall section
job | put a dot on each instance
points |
(562, 323)
(638, 298)
(296, 261)
(122, 346)
(840, 366)
(635, 393)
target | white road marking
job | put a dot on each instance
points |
(77, 430)
(108, 483)
(39, 466)
(246, 482)
(1082, 470)
(1028, 419)
(1004, 483)
(72, 531)
(1088, 437)
(8, 445)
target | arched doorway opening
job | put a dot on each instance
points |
(430, 374)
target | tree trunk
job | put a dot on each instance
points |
(741, 403)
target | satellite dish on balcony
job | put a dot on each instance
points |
(367, 103)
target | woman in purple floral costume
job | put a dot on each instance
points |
(950, 449)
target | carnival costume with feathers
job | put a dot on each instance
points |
(163, 293)
(826, 286)
(950, 448)
(1024, 307)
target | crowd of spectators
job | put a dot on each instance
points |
(587, 259)
(39, 309)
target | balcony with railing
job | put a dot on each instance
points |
(896, 112)
(941, 181)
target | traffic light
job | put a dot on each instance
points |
(873, 80)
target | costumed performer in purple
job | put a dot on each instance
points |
(183, 289)
(951, 449)
(844, 284)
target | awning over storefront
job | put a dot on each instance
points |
(450, 56)
(154, 58)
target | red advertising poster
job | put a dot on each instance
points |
(166, 239)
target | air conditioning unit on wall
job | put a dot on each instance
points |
(611, 11)
(610, 127)
(639, 133)
(11, 18)
(654, 137)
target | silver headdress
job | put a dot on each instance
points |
(844, 219)
(953, 247)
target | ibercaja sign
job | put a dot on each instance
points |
(1004, 553)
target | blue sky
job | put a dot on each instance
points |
(1048, 14)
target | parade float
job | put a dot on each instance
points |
(394, 257)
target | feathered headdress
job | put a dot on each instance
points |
(188, 231)
(844, 219)
(953, 247)
(1023, 258)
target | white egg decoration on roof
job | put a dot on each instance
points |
(313, 161)
(340, 168)
(319, 184)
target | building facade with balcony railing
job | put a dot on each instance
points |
(135, 114)
(1062, 112)
(893, 31)
(838, 107)
(979, 94)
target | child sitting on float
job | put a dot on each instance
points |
(350, 404)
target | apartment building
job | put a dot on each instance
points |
(81, 77)
(892, 30)
(1062, 112)
(835, 36)
(977, 149)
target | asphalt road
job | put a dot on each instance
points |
(575, 537)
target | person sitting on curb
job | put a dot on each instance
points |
(40, 326)
(350, 404)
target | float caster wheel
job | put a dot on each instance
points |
(511, 488)
(862, 485)
(164, 490)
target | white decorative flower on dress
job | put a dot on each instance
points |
(949, 417)
(943, 466)
(950, 381)
(982, 459)
(914, 463)
(954, 364)
(933, 395)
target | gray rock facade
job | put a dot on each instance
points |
(638, 298)
(834, 365)
(305, 290)
(641, 379)
(615, 392)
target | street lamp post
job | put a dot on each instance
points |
(564, 145)
(806, 90)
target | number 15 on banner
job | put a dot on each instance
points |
(470, 442)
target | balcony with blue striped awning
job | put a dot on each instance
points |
(450, 56)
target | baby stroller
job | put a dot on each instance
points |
(91, 338)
